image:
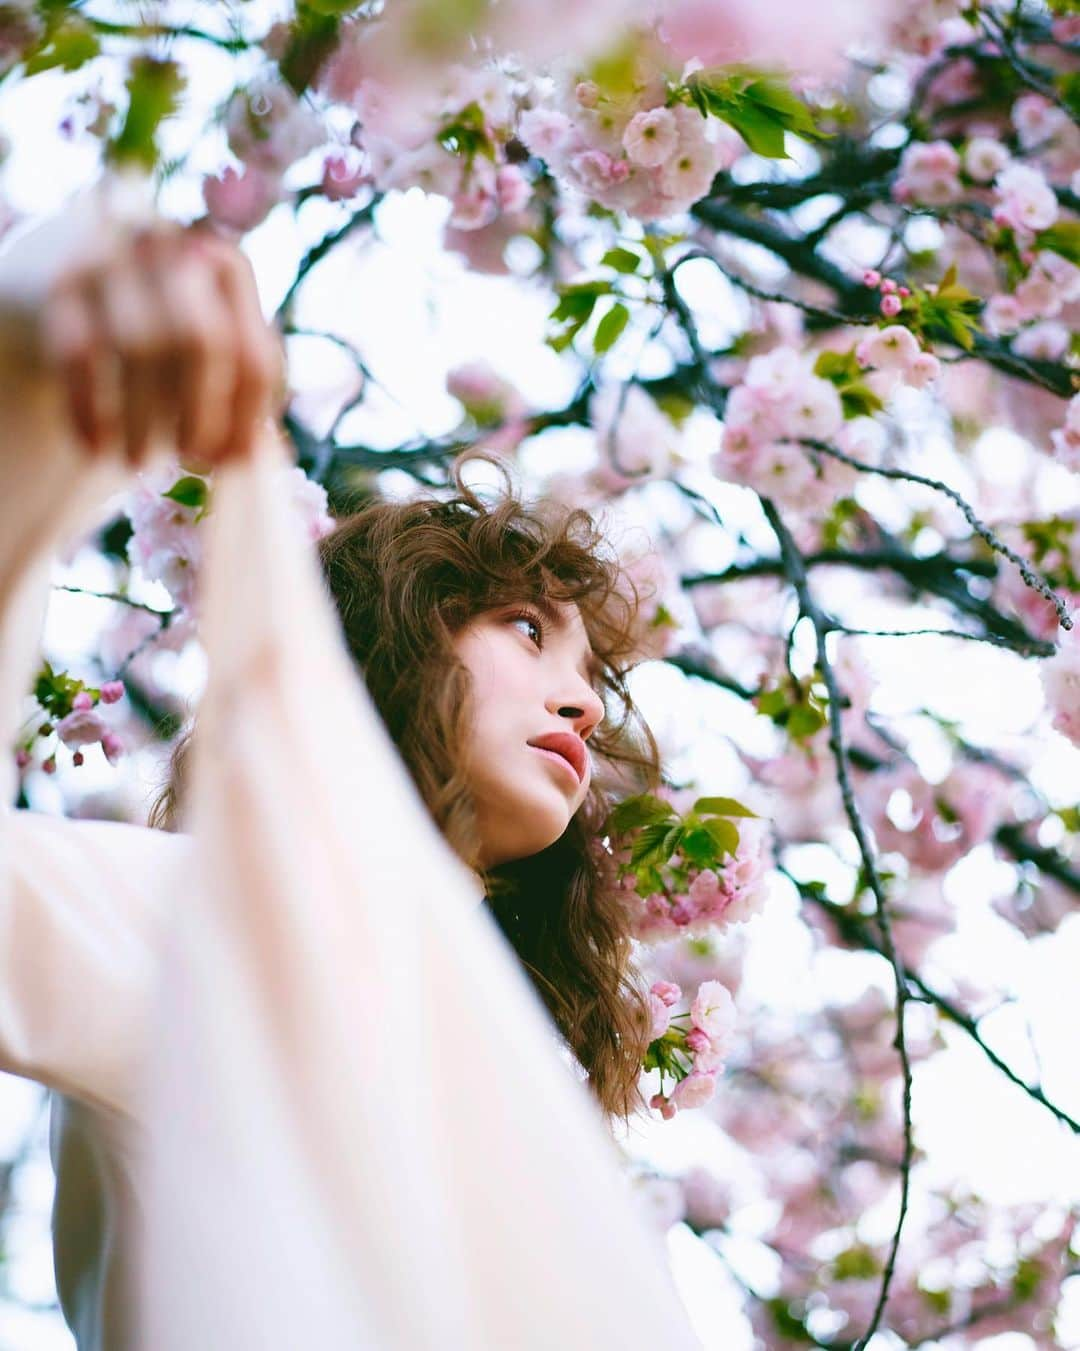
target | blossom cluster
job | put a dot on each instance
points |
(691, 1047)
(72, 718)
(165, 510)
(631, 154)
(779, 402)
(700, 899)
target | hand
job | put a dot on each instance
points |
(160, 336)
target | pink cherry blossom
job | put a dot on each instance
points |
(651, 136)
(695, 1090)
(342, 178)
(1066, 441)
(545, 131)
(666, 991)
(112, 691)
(1003, 315)
(661, 1017)
(664, 1105)
(269, 127)
(309, 503)
(984, 158)
(240, 200)
(1048, 341)
(512, 188)
(930, 173)
(113, 747)
(1039, 295)
(924, 370)
(1025, 201)
(713, 1010)
(893, 348)
(1036, 119)
(1060, 675)
(82, 727)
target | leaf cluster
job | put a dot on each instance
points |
(949, 310)
(799, 707)
(55, 691)
(760, 106)
(655, 832)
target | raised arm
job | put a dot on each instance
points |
(80, 901)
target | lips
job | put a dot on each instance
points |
(566, 744)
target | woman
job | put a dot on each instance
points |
(486, 637)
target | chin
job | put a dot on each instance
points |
(522, 825)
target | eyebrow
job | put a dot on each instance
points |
(594, 667)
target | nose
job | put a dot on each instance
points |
(580, 705)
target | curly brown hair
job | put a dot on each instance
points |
(405, 577)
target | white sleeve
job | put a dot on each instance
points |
(78, 900)
(355, 1105)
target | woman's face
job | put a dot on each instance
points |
(532, 675)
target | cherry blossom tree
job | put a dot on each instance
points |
(814, 274)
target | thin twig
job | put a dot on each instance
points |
(1031, 578)
(797, 575)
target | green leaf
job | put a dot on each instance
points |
(190, 491)
(622, 260)
(642, 810)
(698, 846)
(467, 134)
(577, 301)
(855, 1264)
(721, 806)
(960, 329)
(610, 328)
(772, 703)
(651, 843)
(69, 44)
(762, 132)
(1062, 238)
(723, 834)
(1070, 817)
(859, 400)
(793, 113)
(675, 406)
(154, 89)
(839, 367)
(804, 721)
(1027, 1278)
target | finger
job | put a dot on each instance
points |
(135, 331)
(258, 355)
(71, 343)
(201, 364)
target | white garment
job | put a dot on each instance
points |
(336, 1088)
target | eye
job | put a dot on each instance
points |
(533, 620)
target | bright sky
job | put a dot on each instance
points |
(415, 312)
